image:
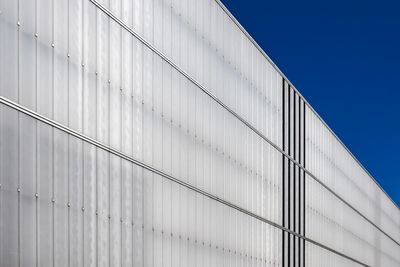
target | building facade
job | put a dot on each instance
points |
(158, 133)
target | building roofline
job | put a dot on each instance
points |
(225, 9)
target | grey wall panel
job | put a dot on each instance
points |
(337, 226)
(10, 183)
(339, 171)
(88, 223)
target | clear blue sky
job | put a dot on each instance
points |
(344, 57)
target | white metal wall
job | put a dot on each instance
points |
(204, 119)
(334, 223)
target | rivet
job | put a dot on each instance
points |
(69, 204)
(36, 35)
(52, 45)
(68, 55)
(96, 73)
(109, 81)
(36, 195)
(83, 65)
(18, 23)
(83, 208)
(53, 200)
(18, 189)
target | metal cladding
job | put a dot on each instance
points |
(158, 133)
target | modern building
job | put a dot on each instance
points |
(158, 133)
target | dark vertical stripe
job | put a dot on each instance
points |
(294, 177)
(304, 183)
(283, 171)
(289, 176)
(299, 178)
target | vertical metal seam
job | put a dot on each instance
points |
(141, 104)
(121, 135)
(1, 154)
(171, 130)
(180, 141)
(68, 141)
(283, 171)
(133, 223)
(299, 176)
(1, 180)
(152, 137)
(109, 135)
(161, 183)
(36, 146)
(96, 14)
(289, 176)
(53, 135)
(83, 130)
(304, 183)
(298, 170)
(294, 178)
(19, 136)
